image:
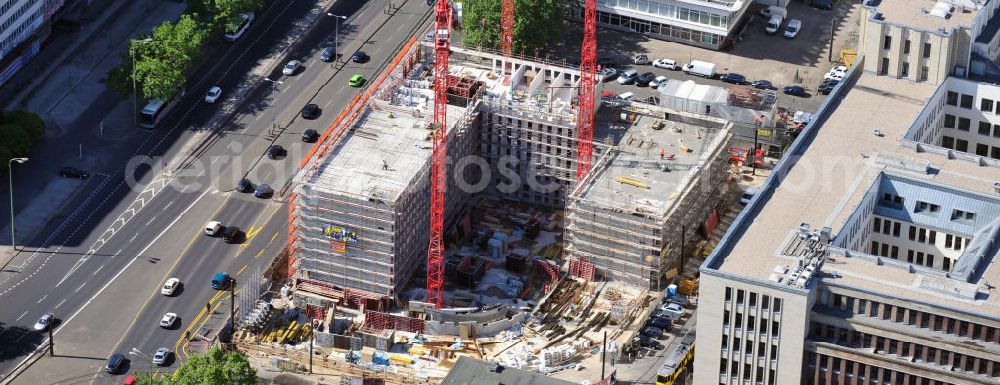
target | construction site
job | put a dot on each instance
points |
(555, 243)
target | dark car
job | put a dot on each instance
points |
(328, 54)
(644, 79)
(663, 323)
(605, 63)
(263, 190)
(609, 74)
(360, 57)
(232, 234)
(310, 136)
(73, 172)
(827, 87)
(244, 186)
(652, 332)
(647, 342)
(762, 85)
(116, 363)
(276, 151)
(821, 4)
(733, 78)
(795, 90)
(311, 111)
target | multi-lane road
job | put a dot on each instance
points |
(101, 268)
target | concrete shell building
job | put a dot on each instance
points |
(868, 256)
(359, 212)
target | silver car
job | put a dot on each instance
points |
(44, 322)
(291, 67)
(160, 357)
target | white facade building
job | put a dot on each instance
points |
(705, 23)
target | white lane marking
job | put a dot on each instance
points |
(117, 253)
(129, 241)
(60, 303)
(98, 269)
(169, 203)
(151, 220)
(21, 316)
(81, 287)
(42, 299)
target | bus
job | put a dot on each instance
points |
(154, 111)
(677, 362)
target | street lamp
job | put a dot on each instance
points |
(137, 352)
(336, 34)
(135, 97)
(274, 88)
(10, 173)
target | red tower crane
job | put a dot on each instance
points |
(507, 27)
(435, 250)
(588, 73)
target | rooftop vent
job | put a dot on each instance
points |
(996, 187)
(941, 9)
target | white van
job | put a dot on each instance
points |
(700, 68)
(628, 76)
(235, 30)
(626, 96)
(774, 24)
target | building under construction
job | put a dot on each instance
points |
(359, 212)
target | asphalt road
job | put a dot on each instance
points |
(113, 231)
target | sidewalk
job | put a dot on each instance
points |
(84, 120)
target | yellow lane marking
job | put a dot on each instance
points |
(253, 232)
(273, 237)
(204, 321)
(196, 318)
(241, 270)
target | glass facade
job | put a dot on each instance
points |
(654, 29)
(654, 7)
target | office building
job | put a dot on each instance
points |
(703, 23)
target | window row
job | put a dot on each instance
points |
(963, 146)
(910, 317)
(765, 300)
(669, 11)
(847, 372)
(959, 100)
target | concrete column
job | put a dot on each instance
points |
(975, 363)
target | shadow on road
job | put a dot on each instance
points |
(17, 341)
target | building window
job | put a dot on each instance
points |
(957, 214)
(947, 142)
(952, 98)
(927, 50)
(966, 101)
(913, 233)
(982, 149)
(995, 152)
(985, 128)
(949, 121)
(906, 47)
(962, 145)
(924, 71)
(876, 225)
(905, 71)
(964, 124)
(986, 105)
(884, 68)
(887, 42)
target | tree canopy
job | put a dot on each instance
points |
(535, 23)
(215, 366)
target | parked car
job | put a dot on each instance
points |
(263, 191)
(663, 323)
(170, 287)
(792, 29)
(328, 55)
(161, 355)
(608, 74)
(45, 322)
(822, 4)
(667, 64)
(644, 79)
(628, 76)
(604, 62)
(652, 332)
(827, 86)
(360, 57)
(356, 80)
(168, 320)
(291, 67)
(747, 195)
(700, 68)
(244, 186)
(641, 60)
(73, 172)
(769, 11)
(310, 135)
(733, 78)
(774, 24)
(311, 111)
(276, 151)
(115, 363)
(795, 91)
(675, 310)
(659, 80)
(762, 85)
(213, 228)
(213, 94)
(647, 342)
(626, 96)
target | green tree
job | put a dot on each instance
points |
(228, 11)
(177, 43)
(535, 23)
(30, 122)
(15, 139)
(158, 79)
(212, 367)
